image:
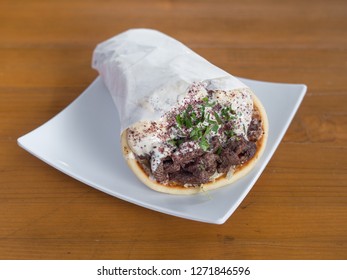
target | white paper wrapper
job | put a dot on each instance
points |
(147, 72)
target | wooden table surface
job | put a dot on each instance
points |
(296, 210)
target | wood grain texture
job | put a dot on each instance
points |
(296, 210)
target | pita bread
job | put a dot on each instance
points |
(217, 183)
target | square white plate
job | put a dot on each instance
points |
(83, 141)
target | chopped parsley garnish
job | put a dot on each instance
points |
(217, 118)
(215, 128)
(196, 133)
(205, 99)
(208, 130)
(179, 121)
(204, 144)
(202, 122)
(176, 142)
(228, 114)
(187, 120)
